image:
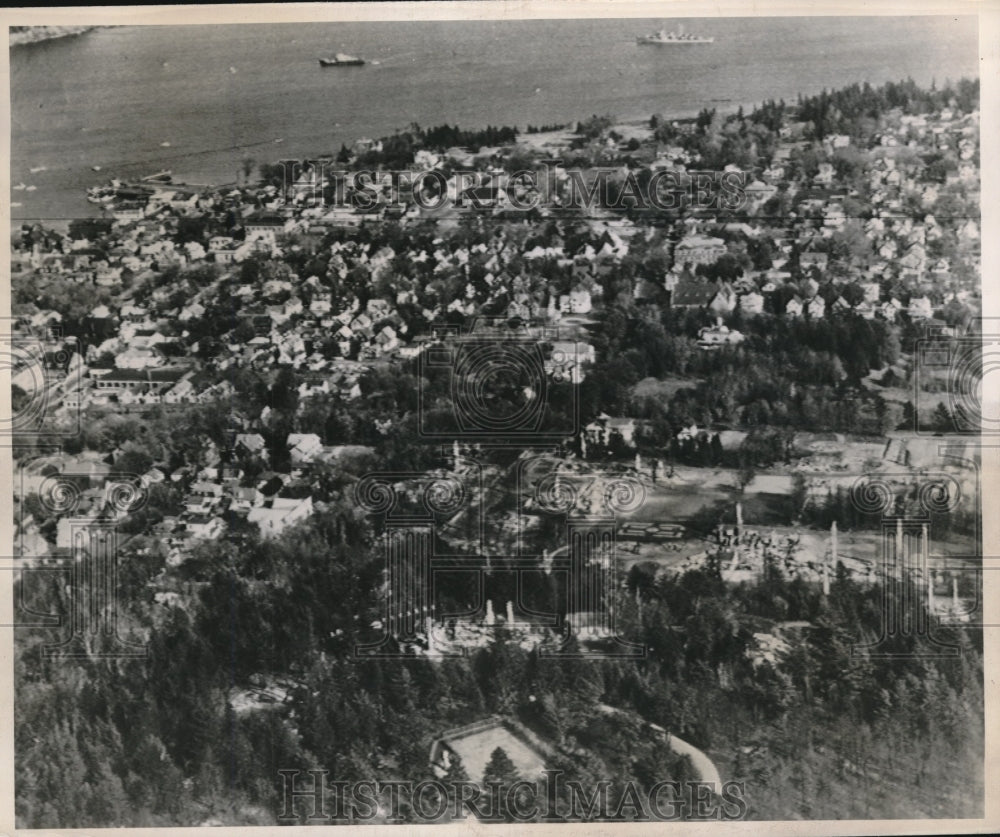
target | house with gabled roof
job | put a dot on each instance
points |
(274, 516)
(250, 444)
(724, 301)
(752, 303)
(304, 447)
(691, 292)
(699, 249)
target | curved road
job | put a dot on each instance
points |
(705, 767)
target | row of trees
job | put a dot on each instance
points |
(850, 109)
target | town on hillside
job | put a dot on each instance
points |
(608, 485)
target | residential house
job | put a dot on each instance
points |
(692, 293)
(872, 291)
(250, 444)
(118, 381)
(714, 337)
(890, 309)
(276, 515)
(825, 175)
(920, 308)
(752, 303)
(605, 428)
(577, 301)
(203, 526)
(139, 357)
(304, 447)
(183, 392)
(724, 301)
(191, 311)
(265, 226)
(816, 308)
(245, 498)
(699, 249)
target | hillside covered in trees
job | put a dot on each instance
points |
(822, 732)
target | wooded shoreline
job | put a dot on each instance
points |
(23, 35)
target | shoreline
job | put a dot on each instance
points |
(40, 34)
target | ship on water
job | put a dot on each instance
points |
(669, 38)
(341, 60)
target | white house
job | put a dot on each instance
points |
(266, 227)
(577, 301)
(304, 447)
(920, 308)
(752, 303)
(605, 427)
(816, 307)
(712, 337)
(137, 357)
(275, 516)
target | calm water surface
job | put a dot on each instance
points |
(113, 97)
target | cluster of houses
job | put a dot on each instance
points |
(176, 343)
(83, 491)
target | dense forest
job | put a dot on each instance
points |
(828, 730)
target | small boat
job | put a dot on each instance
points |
(341, 60)
(95, 168)
(14, 204)
(160, 176)
(664, 38)
(233, 70)
(37, 169)
(280, 139)
(20, 187)
(164, 144)
(30, 188)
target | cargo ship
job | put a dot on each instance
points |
(665, 38)
(341, 60)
